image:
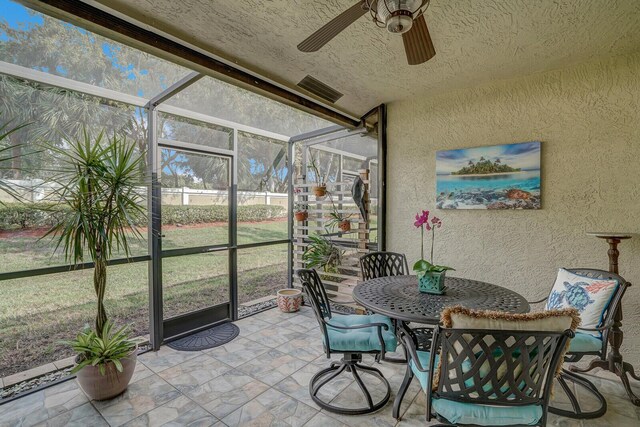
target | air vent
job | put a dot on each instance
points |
(320, 89)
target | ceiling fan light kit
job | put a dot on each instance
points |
(397, 15)
(404, 17)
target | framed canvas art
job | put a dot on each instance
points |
(494, 177)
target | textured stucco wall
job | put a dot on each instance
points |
(588, 119)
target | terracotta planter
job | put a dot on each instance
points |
(289, 300)
(344, 226)
(102, 387)
(320, 191)
(301, 215)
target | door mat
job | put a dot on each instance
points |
(209, 338)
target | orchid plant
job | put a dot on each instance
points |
(422, 266)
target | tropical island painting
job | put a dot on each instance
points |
(493, 177)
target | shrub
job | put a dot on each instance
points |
(202, 214)
(29, 215)
(17, 215)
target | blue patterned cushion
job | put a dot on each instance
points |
(365, 339)
(590, 296)
(583, 343)
(486, 415)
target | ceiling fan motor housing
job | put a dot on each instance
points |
(397, 15)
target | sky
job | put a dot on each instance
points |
(524, 155)
(15, 14)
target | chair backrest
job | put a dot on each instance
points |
(497, 367)
(383, 264)
(315, 292)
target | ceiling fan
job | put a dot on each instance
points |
(404, 17)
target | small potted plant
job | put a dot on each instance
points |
(99, 183)
(301, 213)
(339, 219)
(430, 276)
(320, 187)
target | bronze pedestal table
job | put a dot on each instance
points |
(398, 298)
(614, 362)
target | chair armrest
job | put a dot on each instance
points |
(539, 301)
(408, 344)
(604, 327)
(365, 325)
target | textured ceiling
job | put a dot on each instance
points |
(477, 41)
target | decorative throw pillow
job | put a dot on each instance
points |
(589, 296)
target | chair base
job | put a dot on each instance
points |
(349, 363)
(587, 385)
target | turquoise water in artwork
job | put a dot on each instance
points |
(489, 191)
(526, 180)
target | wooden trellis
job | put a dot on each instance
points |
(353, 244)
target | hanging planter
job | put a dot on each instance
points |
(301, 213)
(320, 190)
(344, 225)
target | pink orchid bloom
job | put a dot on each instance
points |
(437, 222)
(422, 220)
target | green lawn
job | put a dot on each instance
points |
(37, 312)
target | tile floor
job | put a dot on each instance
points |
(261, 378)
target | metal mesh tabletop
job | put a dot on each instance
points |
(398, 297)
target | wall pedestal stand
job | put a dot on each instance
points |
(614, 362)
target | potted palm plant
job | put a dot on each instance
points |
(99, 183)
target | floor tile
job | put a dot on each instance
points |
(178, 412)
(228, 392)
(304, 346)
(252, 324)
(271, 408)
(297, 384)
(324, 420)
(141, 372)
(237, 352)
(274, 336)
(194, 372)
(81, 416)
(141, 397)
(272, 367)
(43, 405)
(300, 323)
(166, 358)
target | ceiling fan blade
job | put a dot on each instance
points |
(417, 42)
(332, 28)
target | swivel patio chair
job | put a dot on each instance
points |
(589, 341)
(383, 264)
(349, 335)
(497, 374)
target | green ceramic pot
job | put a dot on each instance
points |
(432, 283)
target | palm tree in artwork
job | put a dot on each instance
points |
(470, 162)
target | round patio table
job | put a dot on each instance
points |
(398, 297)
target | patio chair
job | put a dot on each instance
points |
(495, 370)
(383, 264)
(590, 340)
(352, 336)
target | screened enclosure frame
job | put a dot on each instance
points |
(153, 106)
(157, 105)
